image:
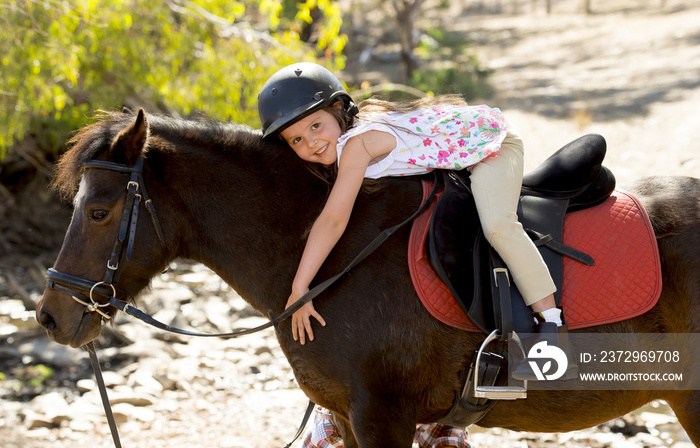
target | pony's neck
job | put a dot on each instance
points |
(243, 211)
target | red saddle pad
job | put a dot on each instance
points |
(624, 282)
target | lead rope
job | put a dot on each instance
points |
(304, 421)
(103, 394)
(90, 347)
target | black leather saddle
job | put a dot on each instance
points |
(571, 179)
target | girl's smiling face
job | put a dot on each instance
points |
(314, 138)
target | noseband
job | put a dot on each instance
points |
(123, 245)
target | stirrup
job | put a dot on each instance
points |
(498, 392)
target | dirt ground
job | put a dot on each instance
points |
(630, 71)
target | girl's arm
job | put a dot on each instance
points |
(331, 223)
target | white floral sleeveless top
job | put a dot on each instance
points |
(443, 136)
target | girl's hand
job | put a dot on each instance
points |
(301, 320)
(331, 223)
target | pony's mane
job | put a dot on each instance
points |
(95, 139)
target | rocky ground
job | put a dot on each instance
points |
(631, 73)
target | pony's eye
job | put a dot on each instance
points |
(98, 214)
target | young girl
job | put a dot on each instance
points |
(306, 105)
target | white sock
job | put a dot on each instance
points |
(552, 315)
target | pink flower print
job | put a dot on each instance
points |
(461, 143)
(435, 129)
(452, 148)
(448, 141)
(427, 142)
(412, 161)
(463, 155)
(422, 157)
(442, 156)
(413, 120)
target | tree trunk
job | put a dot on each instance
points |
(405, 18)
(587, 6)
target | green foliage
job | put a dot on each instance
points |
(443, 44)
(35, 375)
(468, 82)
(62, 59)
(462, 74)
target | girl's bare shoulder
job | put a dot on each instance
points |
(377, 144)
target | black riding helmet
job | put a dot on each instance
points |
(299, 90)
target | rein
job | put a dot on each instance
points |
(107, 288)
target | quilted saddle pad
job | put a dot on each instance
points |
(624, 282)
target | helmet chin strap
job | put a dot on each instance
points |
(351, 110)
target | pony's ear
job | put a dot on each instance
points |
(131, 141)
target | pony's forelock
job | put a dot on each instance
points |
(84, 145)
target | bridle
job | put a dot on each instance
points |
(122, 251)
(123, 245)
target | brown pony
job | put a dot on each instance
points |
(242, 207)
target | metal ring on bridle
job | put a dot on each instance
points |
(94, 305)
